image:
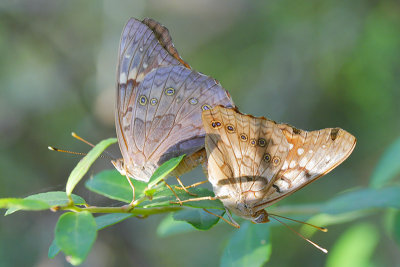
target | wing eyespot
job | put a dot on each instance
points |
(276, 160)
(153, 101)
(216, 124)
(169, 91)
(142, 100)
(262, 142)
(230, 128)
(267, 157)
(193, 101)
(253, 142)
(243, 137)
(205, 107)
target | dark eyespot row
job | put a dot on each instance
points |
(153, 101)
(243, 137)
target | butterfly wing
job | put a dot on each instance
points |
(311, 155)
(244, 153)
(159, 100)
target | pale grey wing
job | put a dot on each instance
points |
(144, 46)
(311, 155)
(248, 150)
(166, 121)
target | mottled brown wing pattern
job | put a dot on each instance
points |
(311, 155)
(243, 151)
(159, 100)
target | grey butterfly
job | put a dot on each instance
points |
(159, 102)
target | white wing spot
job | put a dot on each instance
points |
(290, 146)
(328, 158)
(300, 151)
(292, 164)
(145, 65)
(127, 55)
(122, 78)
(132, 74)
(285, 165)
(310, 151)
(323, 146)
(303, 162)
(140, 77)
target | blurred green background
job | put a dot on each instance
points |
(313, 64)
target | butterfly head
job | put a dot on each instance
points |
(245, 209)
(138, 172)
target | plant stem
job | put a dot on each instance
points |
(123, 209)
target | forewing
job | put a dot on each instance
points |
(144, 46)
(311, 155)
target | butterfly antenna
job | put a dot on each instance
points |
(297, 233)
(72, 152)
(323, 229)
(90, 144)
(232, 223)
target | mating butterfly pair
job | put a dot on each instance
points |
(165, 109)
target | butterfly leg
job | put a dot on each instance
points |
(183, 187)
(133, 190)
(232, 222)
(170, 188)
(193, 185)
(196, 199)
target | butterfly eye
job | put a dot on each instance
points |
(193, 101)
(276, 161)
(170, 91)
(216, 124)
(230, 128)
(153, 101)
(205, 107)
(262, 142)
(253, 142)
(243, 137)
(142, 100)
(267, 157)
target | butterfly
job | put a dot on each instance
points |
(159, 102)
(254, 162)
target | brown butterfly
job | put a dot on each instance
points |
(255, 162)
(159, 102)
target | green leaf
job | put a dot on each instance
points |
(355, 247)
(396, 227)
(53, 250)
(112, 184)
(23, 204)
(104, 221)
(169, 226)
(83, 165)
(249, 246)
(75, 234)
(56, 198)
(165, 196)
(198, 218)
(164, 170)
(388, 166)
(363, 199)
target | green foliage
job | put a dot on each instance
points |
(75, 234)
(355, 247)
(249, 246)
(76, 231)
(388, 167)
(199, 219)
(83, 165)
